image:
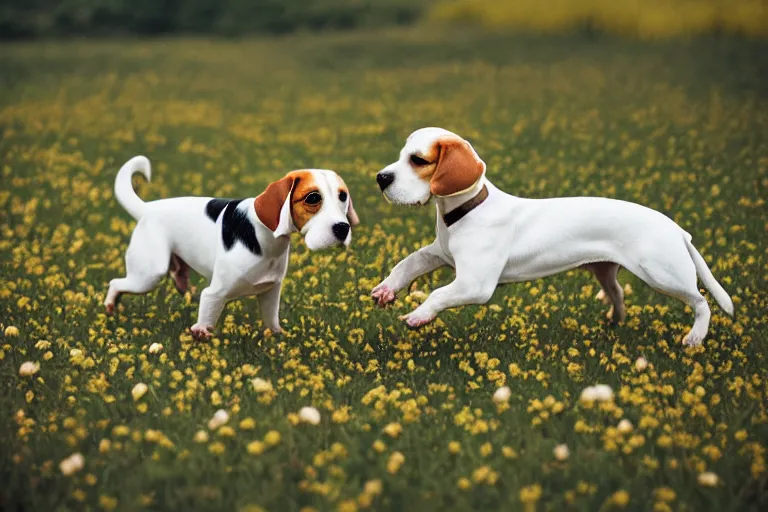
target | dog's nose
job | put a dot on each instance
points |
(340, 231)
(385, 179)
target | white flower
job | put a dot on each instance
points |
(599, 392)
(260, 385)
(588, 394)
(561, 452)
(641, 364)
(603, 392)
(309, 415)
(625, 426)
(155, 348)
(139, 390)
(72, 464)
(28, 368)
(220, 418)
(708, 479)
(502, 395)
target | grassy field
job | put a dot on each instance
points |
(408, 421)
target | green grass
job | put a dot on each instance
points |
(680, 127)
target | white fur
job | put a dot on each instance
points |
(511, 239)
(180, 226)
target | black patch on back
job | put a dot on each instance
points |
(235, 225)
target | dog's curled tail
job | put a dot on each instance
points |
(710, 283)
(124, 192)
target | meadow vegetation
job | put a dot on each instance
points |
(646, 19)
(120, 413)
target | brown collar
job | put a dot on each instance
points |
(458, 213)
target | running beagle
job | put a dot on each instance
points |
(491, 237)
(239, 245)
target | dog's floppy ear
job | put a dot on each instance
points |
(273, 206)
(352, 217)
(458, 167)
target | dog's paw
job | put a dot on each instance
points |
(383, 294)
(110, 308)
(416, 319)
(692, 339)
(200, 332)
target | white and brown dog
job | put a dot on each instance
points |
(491, 237)
(240, 246)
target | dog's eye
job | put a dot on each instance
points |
(418, 161)
(342, 196)
(313, 198)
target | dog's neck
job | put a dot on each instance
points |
(450, 203)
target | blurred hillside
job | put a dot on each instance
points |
(633, 18)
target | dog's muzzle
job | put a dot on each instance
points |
(340, 231)
(385, 179)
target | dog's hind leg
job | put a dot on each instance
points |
(675, 275)
(179, 271)
(146, 262)
(606, 273)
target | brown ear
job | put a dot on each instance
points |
(352, 217)
(458, 167)
(269, 203)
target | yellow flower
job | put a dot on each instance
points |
(247, 424)
(260, 385)
(395, 461)
(454, 447)
(393, 429)
(107, 502)
(509, 452)
(530, 494)
(272, 438)
(379, 446)
(373, 487)
(11, 331)
(201, 436)
(464, 483)
(226, 431)
(486, 449)
(619, 498)
(255, 447)
(217, 448)
(347, 506)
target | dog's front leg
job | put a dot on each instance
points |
(424, 260)
(212, 302)
(269, 306)
(474, 284)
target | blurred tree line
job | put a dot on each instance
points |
(37, 18)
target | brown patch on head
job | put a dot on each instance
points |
(458, 167)
(304, 207)
(270, 202)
